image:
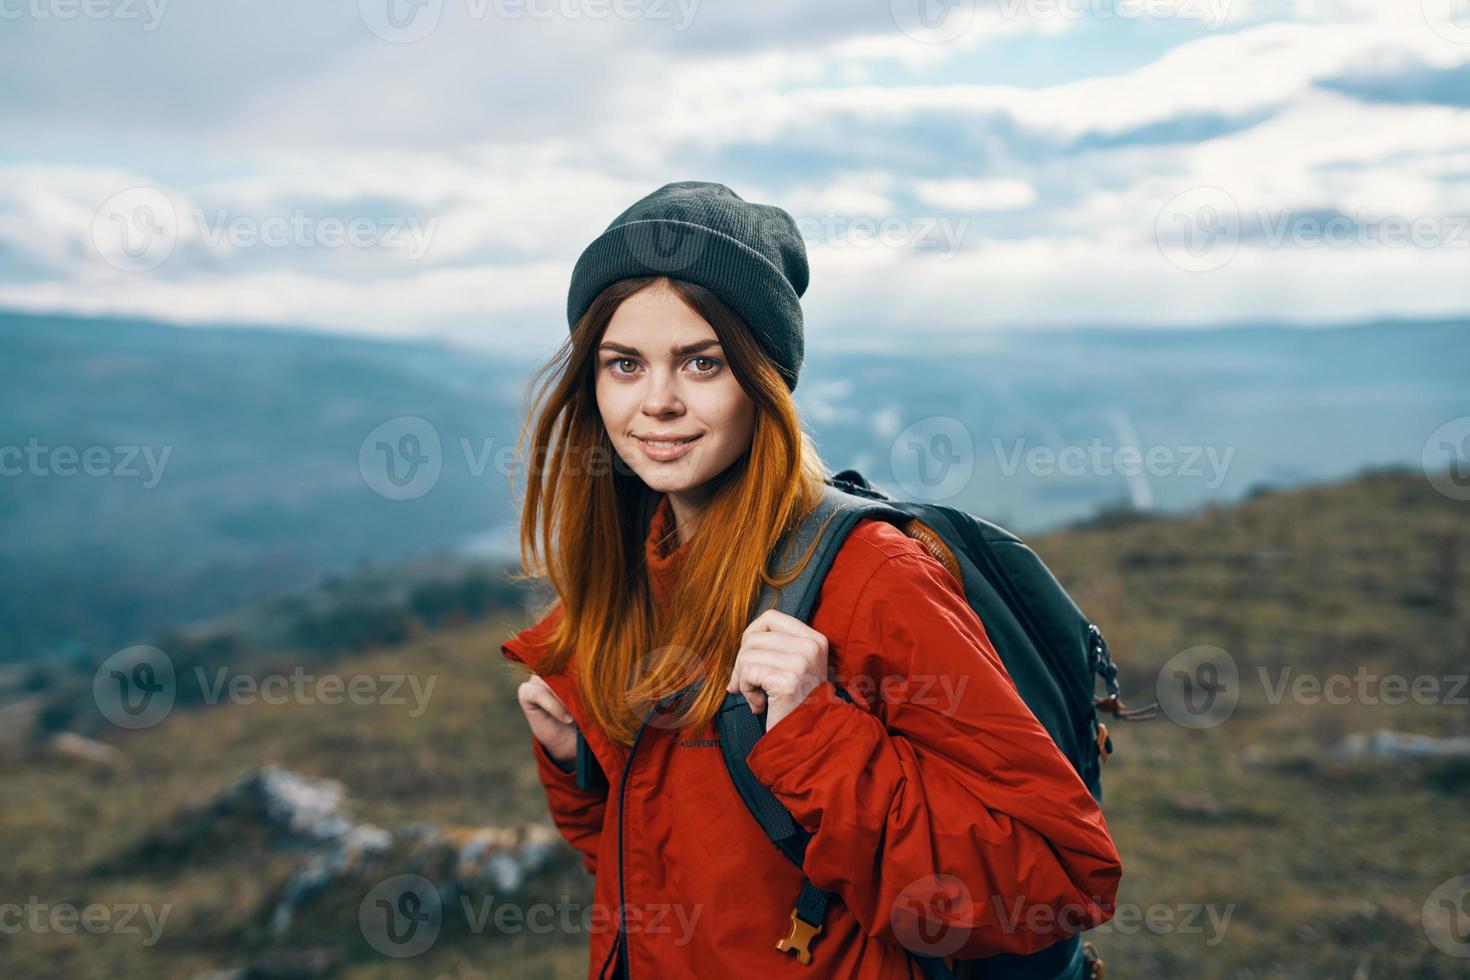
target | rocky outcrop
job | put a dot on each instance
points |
(342, 859)
(1400, 746)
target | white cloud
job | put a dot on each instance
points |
(521, 141)
(976, 194)
(481, 305)
(985, 25)
(1057, 282)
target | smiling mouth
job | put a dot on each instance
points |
(667, 451)
(666, 443)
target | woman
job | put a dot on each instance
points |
(672, 459)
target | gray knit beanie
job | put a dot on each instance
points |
(749, 255)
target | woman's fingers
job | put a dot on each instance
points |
(793, 651)
(781, 659)
(536, 694)
(745, 684)
(550, 721)
(775, 621)
(763, 674)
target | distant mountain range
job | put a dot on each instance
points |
(152, 474)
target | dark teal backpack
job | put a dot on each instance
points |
(1051, 650)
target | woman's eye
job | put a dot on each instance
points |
(616, 364)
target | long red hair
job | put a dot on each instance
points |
(585, 519)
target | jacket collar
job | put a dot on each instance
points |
(663, 554)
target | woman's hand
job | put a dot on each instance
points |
(781, 661)
(549, 719)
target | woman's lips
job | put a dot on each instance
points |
(666, 453)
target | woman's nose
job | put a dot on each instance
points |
(662, 394)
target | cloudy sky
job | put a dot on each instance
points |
(434, 167)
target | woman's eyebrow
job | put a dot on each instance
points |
(677, 351)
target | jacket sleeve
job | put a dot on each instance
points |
(937, 789)
(576, 812)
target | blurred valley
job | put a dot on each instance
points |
(157, 475)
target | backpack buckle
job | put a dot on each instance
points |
(1114, 704)
(798, 938)
(1096, 968)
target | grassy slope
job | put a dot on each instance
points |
(1325, 868)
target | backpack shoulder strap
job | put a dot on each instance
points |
(823, 530)
(828, 525)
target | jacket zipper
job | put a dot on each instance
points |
(620, 943)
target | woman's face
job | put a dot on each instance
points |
(661, 372)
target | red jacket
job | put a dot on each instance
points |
(948, 774)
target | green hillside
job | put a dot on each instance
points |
(1250, 849)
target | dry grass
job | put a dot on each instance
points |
(1323, 869)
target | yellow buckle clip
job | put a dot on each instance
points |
(800, 935)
